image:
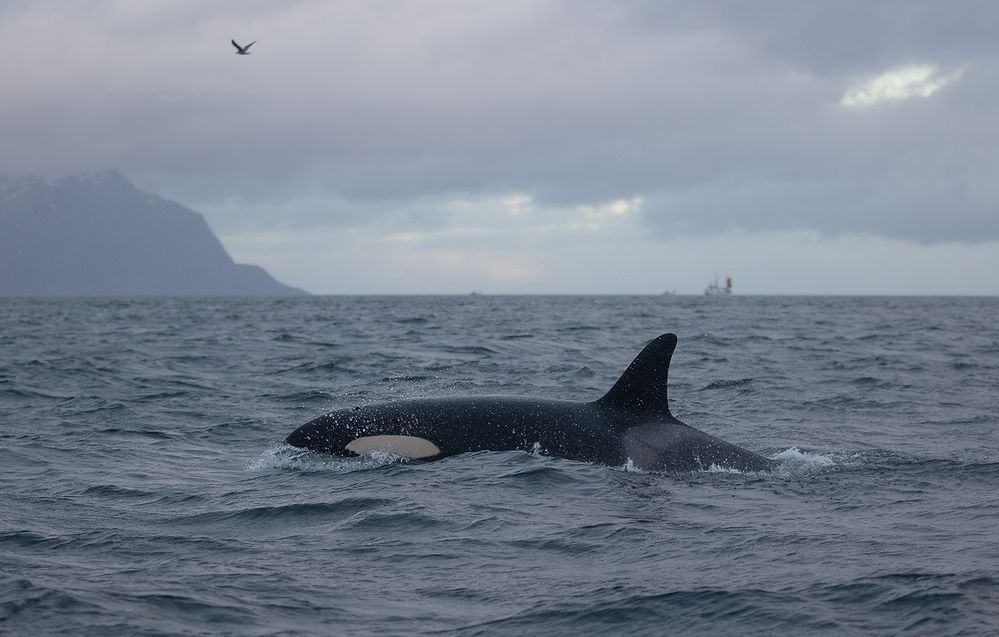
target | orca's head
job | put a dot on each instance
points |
(329, 433)
(362, 430)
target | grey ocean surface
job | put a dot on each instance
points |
(144, 489)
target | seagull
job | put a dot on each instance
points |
(243, 50)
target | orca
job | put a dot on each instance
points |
(629, 425)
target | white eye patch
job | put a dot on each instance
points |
(405, 446)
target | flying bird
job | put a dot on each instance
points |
(243, 50)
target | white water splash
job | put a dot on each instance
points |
(283, 456)
(794, 462)
(629, 467)
(715, 468)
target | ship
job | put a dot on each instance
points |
(714, 289)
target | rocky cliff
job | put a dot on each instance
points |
(97, 234)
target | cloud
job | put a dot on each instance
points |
(899, 84)
(419, 119)
(362, 261)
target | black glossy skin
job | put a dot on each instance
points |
(631, 422)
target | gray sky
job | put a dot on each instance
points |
(536, 146)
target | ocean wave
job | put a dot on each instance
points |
(726, 384)
(289, 515)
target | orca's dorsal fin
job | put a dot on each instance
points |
(642, 387)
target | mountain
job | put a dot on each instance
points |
(98, 235)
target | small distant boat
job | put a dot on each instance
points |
(716, 290)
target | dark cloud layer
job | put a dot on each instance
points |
(719, 115)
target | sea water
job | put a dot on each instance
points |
(145, 489)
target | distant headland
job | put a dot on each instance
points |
(99, 235)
